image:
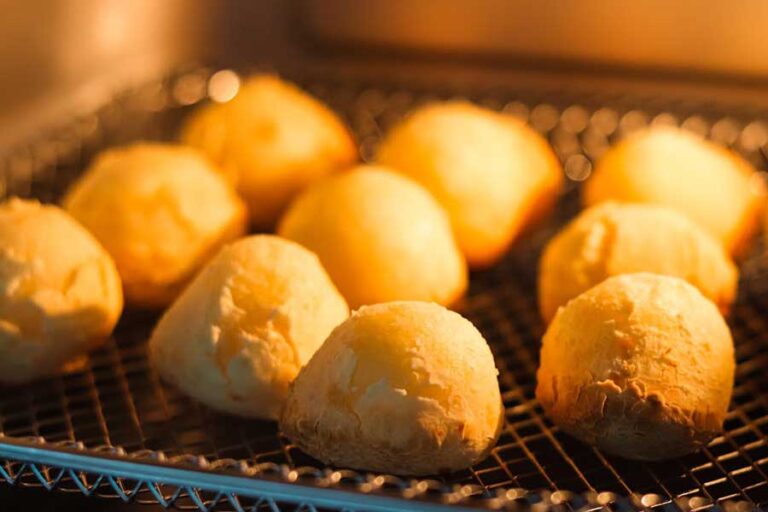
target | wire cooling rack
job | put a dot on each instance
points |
(113, 429)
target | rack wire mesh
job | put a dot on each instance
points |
(113, 428)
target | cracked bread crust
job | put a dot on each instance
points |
(620, 238)
(60, 293)
(238, 335)
(402, 387)
(161, 211)
(641, 366)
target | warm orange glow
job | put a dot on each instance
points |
(223, 85)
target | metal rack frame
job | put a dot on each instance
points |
(113, 429)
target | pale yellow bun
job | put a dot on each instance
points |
(641, 366)
(381, 237)
(491, 172)
(671, 167)
(272, 140)
(161, 211)
(60, 292)
(237, 336)
(622, 238)
(402, 387)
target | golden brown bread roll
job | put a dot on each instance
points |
(237, 336)
(622, 238)
(641, 365)
(671, 167)
(491, 172)
(60, 293)
(272, 140)
(161, 211)
(381, 237)
(402, 387)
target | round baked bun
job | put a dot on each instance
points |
(60, 293)
(672, 167)
(403, 388)
(491, 172)
(161, 211)
(237, 336)
(272, 140)
(381, 237)
(621, 238)
(641, 366)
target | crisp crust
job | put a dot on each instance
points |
(237, 336)
(271, 140)
(403, 387)
(669, 166)
(60, 292)
(641, 365)
(491, 172)
(161, 211)
(620, 238)
(381, 237)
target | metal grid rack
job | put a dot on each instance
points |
(113, 429)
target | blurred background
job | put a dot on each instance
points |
(58, 56)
